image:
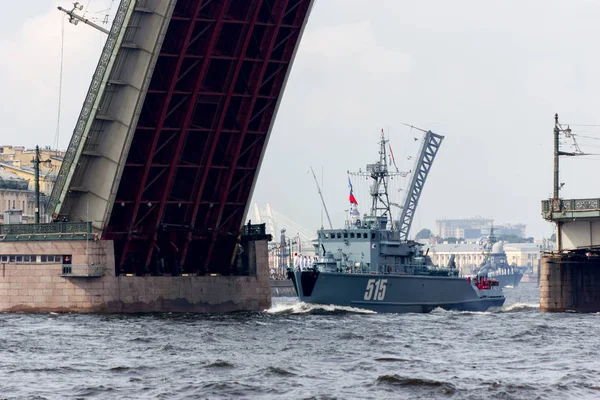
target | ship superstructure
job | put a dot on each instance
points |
(495, 264)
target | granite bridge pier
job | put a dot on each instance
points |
(150, 201)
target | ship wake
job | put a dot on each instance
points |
(516, 307)
(306, 308)
(519, 307)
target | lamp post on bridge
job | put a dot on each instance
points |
(74, 18)
(36, 165)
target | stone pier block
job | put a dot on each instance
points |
(570, 282)
(39, 287)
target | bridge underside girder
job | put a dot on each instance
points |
(201, 134)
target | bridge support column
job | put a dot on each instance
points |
(570, 282)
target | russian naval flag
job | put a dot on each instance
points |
(351, 197)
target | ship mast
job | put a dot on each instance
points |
(379, 190)
(487, 249)
(380, 201)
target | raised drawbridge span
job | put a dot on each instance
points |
(166, 151)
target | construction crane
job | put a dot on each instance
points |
(429, 148)
(322, 200)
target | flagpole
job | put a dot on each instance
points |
(321, 195)
(322, 187)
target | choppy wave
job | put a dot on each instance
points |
(307, 308)
(513, 352)
(350, 336)
(516, 307)
(417, 383)
(220, 364)
(519, 307)
(439, 310)
(391, 359)
(279, 371)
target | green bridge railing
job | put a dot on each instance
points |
(570, 205)
(570, 208)
(51, 231)
(257, 229)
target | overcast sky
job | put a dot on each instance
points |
(488, 75)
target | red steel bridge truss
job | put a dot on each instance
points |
(202, 132)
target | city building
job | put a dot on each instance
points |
(476, 227)
(469, 256)
(17, 182)
(15, 198)
(518, 230)
(464, 228)
(19, 160)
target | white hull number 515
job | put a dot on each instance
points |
(376, 289)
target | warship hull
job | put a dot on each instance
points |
(508, 279)
(389, 293)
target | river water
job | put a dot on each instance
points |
(296, 351)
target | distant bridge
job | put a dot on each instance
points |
(275, 222)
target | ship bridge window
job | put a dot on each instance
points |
(365, 235)
(372, 236)
(332, 235)
(339, 235)
(351, 235)
(345, 235)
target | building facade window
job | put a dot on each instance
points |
(28, 258)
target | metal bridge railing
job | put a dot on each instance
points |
(82, 270)
(87, 112)
(258, 229)
(570, 205)
(54, 228)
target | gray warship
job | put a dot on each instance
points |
(371, 264)
(495, 264)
